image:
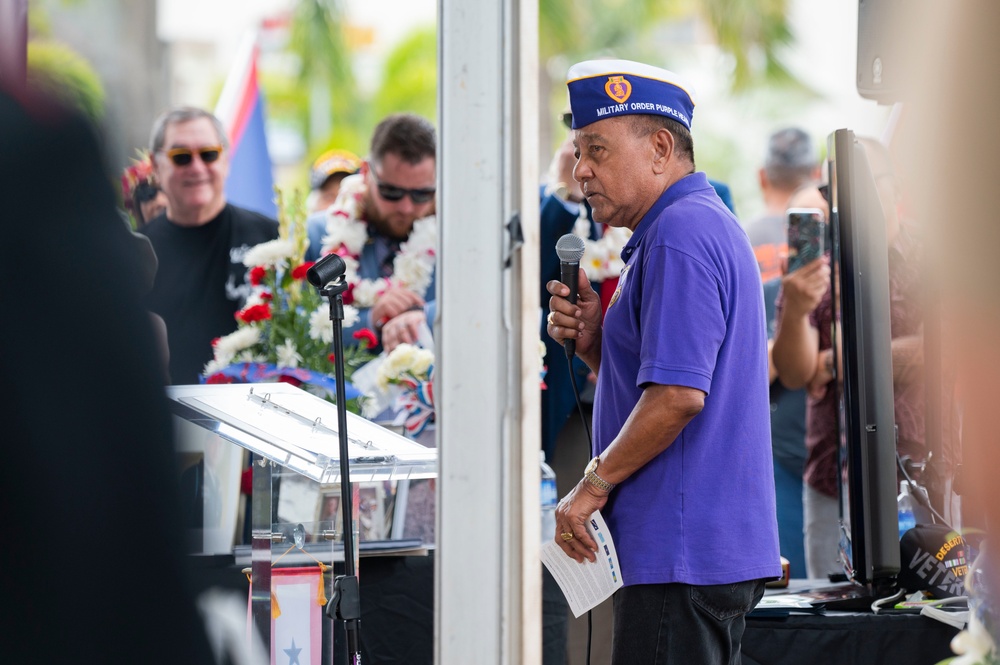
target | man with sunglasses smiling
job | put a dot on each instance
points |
(199, 240)
(395, 189)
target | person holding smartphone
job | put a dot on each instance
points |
(803, 355)
(802, 348)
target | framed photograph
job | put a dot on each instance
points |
(298, 497)
(373, 517)
(330, 517)
(211, 468)
(414, 510)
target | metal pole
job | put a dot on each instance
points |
(487, 337)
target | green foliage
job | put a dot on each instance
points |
(61, 72)
(318, 38)
(584, 28)
(749, 29)
(410, 77)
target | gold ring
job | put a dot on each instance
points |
(552, 323)
(566, 536)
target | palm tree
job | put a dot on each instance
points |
(318, 38)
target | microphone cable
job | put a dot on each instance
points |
(590, 447)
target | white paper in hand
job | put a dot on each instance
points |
(585, 585)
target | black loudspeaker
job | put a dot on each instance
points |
(883, 26)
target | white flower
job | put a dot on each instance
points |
(320, 325)
(602, 258)
(351, 315)
(405, 359)
(399, 360)
(423, 237)
(382, 377)
(269, 253)
(370, 407)
(351, 266)
(973, 645)
(288, 355)
(216, 365)
(341, 231)
(412, 272)
(248, 356)
(582, 227)
(595, 260)
(235, 342)
(421, 363)
(367, 290)
(256, 297)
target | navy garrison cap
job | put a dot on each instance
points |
(600, 89)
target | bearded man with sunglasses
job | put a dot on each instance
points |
(383, 220)
(200, 239)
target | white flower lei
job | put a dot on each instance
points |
(602, 258)
(346, 234)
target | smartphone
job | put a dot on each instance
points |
(806, 236)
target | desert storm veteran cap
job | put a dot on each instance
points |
(600, 89)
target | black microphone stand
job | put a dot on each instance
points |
(327, 275)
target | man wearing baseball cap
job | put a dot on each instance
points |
(327, 172)
(682, 456)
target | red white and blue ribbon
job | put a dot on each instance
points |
(266, 372)
(417, 401)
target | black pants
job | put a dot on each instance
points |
(655, 624)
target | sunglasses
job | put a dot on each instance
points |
(393, 193)
(184, 156)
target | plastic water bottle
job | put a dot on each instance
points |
(550, 497)
(907, 519)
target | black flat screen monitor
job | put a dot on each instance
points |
(869, 544)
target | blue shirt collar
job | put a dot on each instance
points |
(686, 185)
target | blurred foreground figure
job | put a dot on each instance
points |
(92, 562)
(954, 126)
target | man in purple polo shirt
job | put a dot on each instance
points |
(682, 469)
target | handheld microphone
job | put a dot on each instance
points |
(569, 249)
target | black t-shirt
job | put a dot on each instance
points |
(201, 282)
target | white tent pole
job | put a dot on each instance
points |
(488, 576)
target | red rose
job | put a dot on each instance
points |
(348, 295)
(332, 357)
(257, 274)
(300, 271)
(266, 296)
(366, 337)
(254, 313)
(219, 378)
(215, 341)
(291, 380)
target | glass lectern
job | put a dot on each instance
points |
(295, 512)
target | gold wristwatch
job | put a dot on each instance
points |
(590, 475)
